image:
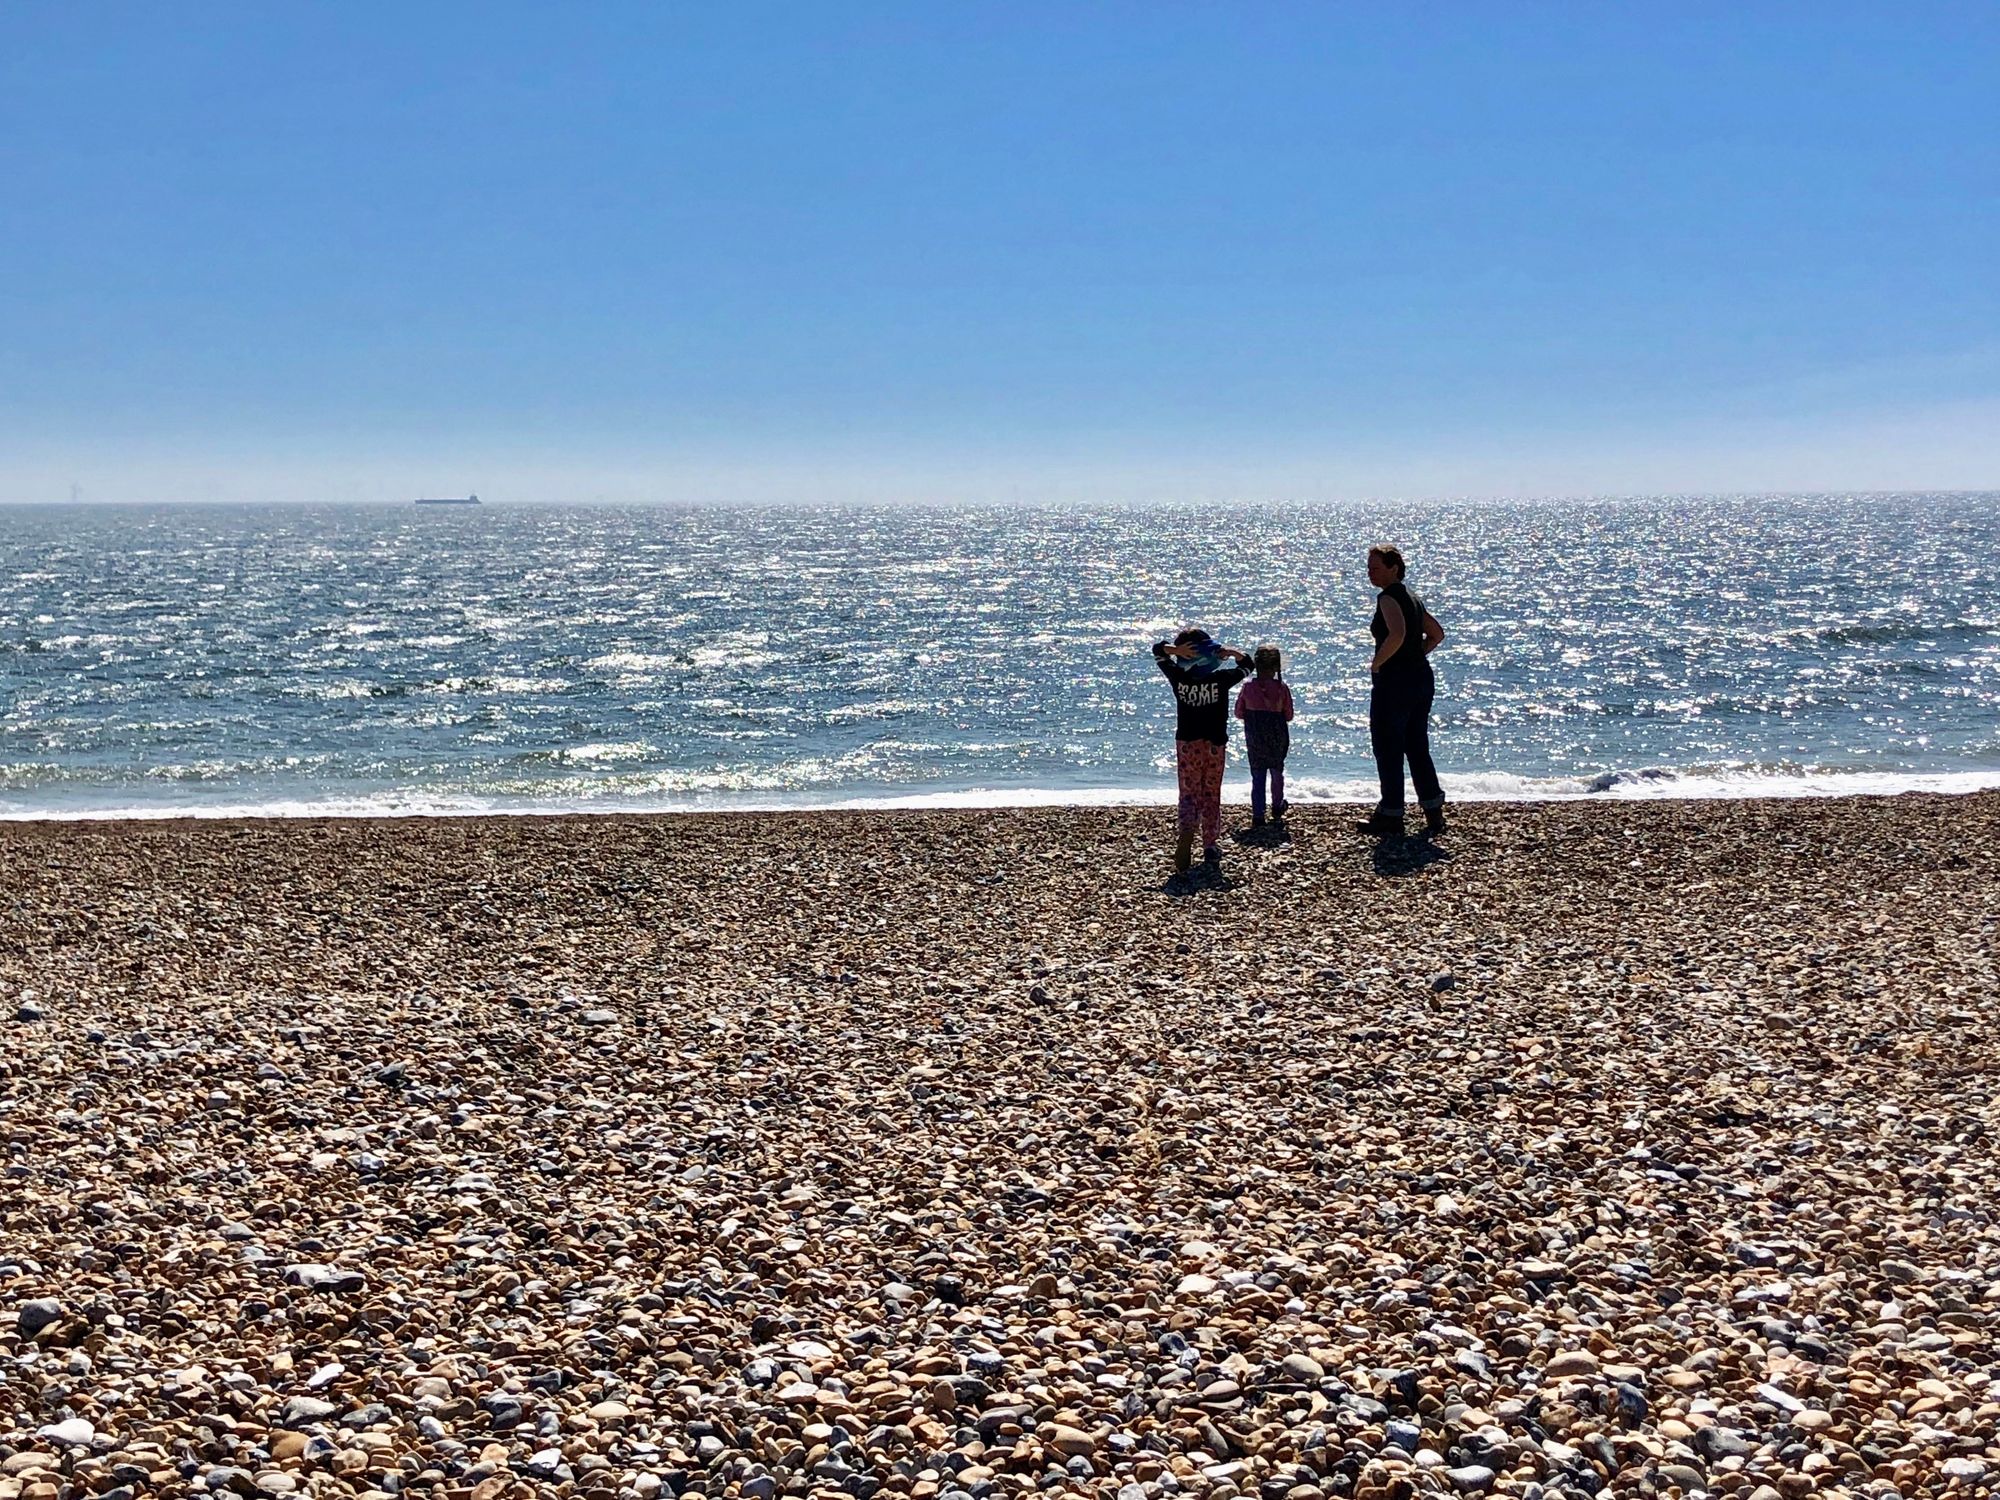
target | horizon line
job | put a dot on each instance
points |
(1605, 497)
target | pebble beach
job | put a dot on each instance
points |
(1637, 1148)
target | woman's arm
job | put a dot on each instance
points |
(1392, 620)
(1433, 633)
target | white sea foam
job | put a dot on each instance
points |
(740, 658)
(829, 789)
(596, 754)
(1650, 785)
(853, 713)
(633, 663)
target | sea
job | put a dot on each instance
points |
(343, 659)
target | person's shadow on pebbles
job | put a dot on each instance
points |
(1395, 857)
(1270, 836)
(1197, 882)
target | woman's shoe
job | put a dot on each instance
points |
(1434, 821)
(1381, 827)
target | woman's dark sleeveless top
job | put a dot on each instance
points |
(1409, 659)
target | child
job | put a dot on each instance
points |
(1265, 707)
(1194, 665)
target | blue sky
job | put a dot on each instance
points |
(966, 252)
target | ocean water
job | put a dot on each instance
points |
(303, 659)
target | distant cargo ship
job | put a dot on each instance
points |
(451, 500)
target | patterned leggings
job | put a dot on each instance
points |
(1201, 789)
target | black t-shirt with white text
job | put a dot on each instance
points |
(1202, 700)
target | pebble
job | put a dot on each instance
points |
(1570, 1364)
(321, 1278)
(944, 1156)
(1068, 1440)
(1303, 1367)
(35, 1315)
(1721, 1442)
(300, 1410)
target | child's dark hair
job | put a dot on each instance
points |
(1268, 661)
(1192, 636)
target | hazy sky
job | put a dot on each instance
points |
(989, 251)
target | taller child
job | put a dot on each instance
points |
(1194, 665)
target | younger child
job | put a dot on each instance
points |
(1265, 707)
(1195, 665)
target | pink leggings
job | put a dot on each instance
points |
(1201, 789)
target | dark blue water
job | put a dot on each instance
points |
(397, 659)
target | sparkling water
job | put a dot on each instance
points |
(356, 659)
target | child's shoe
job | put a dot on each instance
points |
(1211, 861)
(1183, 854)
(1259, 822)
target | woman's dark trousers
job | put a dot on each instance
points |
(1399, 729)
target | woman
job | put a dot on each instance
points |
(1399, 701)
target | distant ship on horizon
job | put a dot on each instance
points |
(450, 500)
